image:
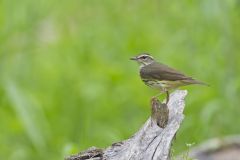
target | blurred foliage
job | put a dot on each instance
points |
(66, 82)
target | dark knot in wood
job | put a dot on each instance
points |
(160, 113)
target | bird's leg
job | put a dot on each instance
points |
(167, 99)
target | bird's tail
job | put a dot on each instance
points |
(193, 81)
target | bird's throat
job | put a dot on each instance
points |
(143, 65)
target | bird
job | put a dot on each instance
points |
(160, 76)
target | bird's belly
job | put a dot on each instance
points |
(155, 84)
(163, 86)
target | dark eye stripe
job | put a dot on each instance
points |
(144, 57)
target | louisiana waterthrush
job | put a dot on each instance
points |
(160, 76)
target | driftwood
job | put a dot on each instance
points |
(151, 142)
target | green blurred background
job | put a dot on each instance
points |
(66, 82)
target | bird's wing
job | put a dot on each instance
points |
(161, 72)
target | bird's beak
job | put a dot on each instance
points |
(133, 58)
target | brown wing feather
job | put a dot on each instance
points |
(161, 72)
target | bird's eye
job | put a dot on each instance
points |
(144, 57)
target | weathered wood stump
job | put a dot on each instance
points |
(152, 142)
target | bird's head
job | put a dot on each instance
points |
(143, 59)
